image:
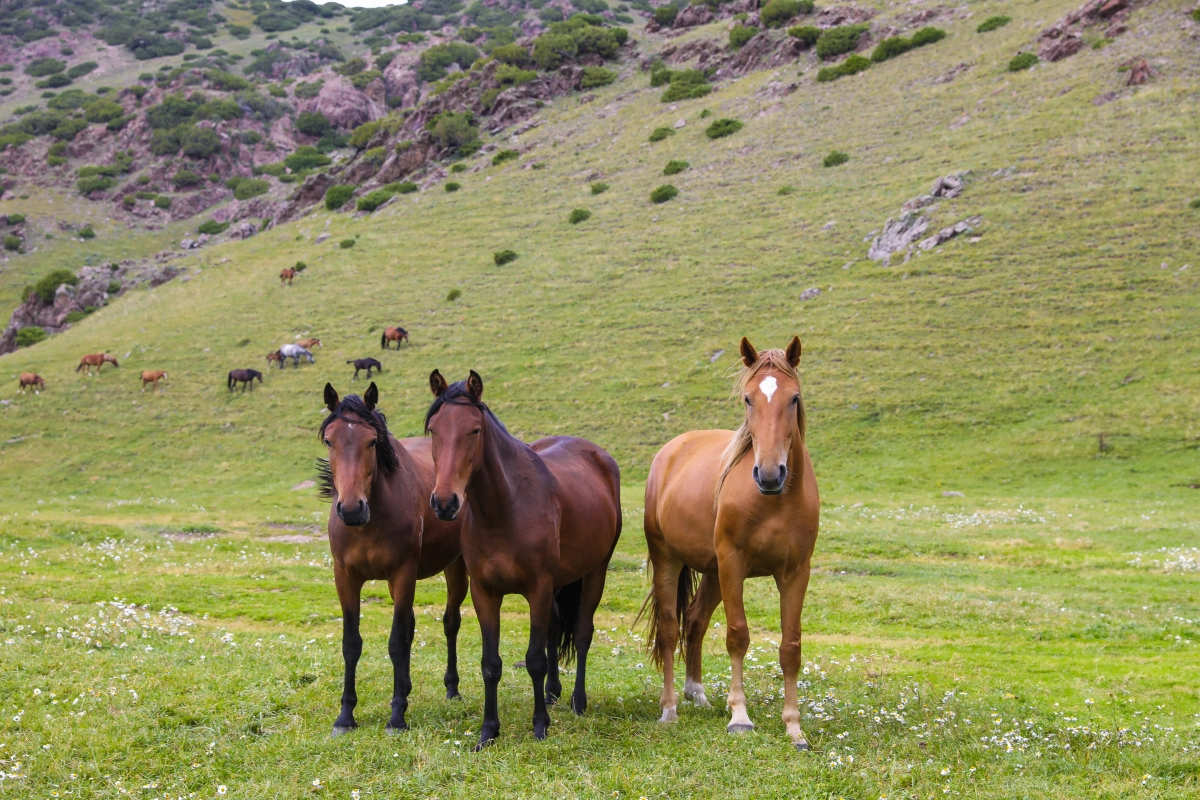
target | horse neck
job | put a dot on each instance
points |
(492, 489)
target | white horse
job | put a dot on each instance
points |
(294, 352)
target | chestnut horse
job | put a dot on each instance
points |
(538, 520)
(285, 276)
(245, 377)
(96, 360)
(309, 344)
(732, 505)
(381, 528)
(396, 334)
(153, 376)
(276, 356)
(28, 379)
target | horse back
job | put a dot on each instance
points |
(680, 491)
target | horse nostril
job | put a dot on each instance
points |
(782, 472)
(756, 473)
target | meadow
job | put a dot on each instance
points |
(1034, 637)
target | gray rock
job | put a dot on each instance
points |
(810, 294)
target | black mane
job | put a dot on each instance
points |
(457, 394)
(385, 454)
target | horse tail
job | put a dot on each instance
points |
(383, 339)
(229, 382)
(568, 600)
(686, 590)
(349, 362)
(80, 366)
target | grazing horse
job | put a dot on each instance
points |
(96, 360)
(396, 334)
(732, 505)
(295, 352)
(365, 363)
(538, 520)
(153, 376)
(245, 377)
(309, 343)
(28, 379)
(382, 528)
(285, 276)
(276, 356)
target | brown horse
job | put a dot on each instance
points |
(396, 334)
(382, 528)
(153, 376)
(245, 377)
(28, 379)
(732, 505)
(538, 520)
(275, 357)
(285, 276)
(96, 360)
(309, 344)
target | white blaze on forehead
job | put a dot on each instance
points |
(768, 387)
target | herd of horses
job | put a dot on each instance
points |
(31, 380)
(500, 516)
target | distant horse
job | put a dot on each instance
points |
(538, 520)
(285, 276)
(276, 356)
(245, 377)
(96, 360)
(295, 352)
(153, 376)
(309, 343)
(365, 363)
(30, 379)
(396, 334)
(732, 505)
(382, 528)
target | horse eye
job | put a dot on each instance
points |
(477, 430)
(746, 399)
(796, 400)
(327, 444)
(373, 443)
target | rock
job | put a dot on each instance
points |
(809, 294)
(680, 123)
(186, 244)
(313, 188)
(1065, 37)
(400, 80)
(898, 234)
(953, 494)
(946, 234)
(765, 52)
(691, 16)
(1104, 99)
(958, 123)
(243, 230)
(1059, 47)
(946, 77)
(703, 49)
(841, 15)
(322, 237)
(1140, 72)
(343, 105)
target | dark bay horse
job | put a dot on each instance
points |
(396, 334)
(245, 377)
(365, 363)
(96, 360)
(732, 505)
(538, 520)
(382, 528)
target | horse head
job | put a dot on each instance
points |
(455, 422)
(359, 446)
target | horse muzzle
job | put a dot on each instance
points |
(771, 484)
(447, 510)
(354, 516)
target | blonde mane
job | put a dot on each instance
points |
(742, 441)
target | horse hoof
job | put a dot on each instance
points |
(740, 727)
(551, 698)
(452, 694)
(338, 730)
(802, 746)
(700, 701)
(483, 743)
(394, 729)
(668, 715)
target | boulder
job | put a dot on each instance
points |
(898, 234)
(400, 80)
(1063, 45)
(692, 16)
(841, 15)
(1140, 72)
(764, 52)
(343, 105)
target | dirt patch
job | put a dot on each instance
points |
(187, 535)
(304, 534)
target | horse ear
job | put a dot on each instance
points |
(793, 351)
(749, 354)
(475, 385)
(331, 397)
(437, 384)
(371, 396)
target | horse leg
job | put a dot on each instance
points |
(541, 606)
(585, 627)
(553, 634)
(737, 639)
(487, 609)
(792, 588)
(400, 645)
(696, 620)
(666, 588)
(348, 590)
(456, 589)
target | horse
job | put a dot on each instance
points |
(285, 276)
(96, 360)
(153, 376)
(245, 377)
(382, 528)
(295, 352)
(365, 363)
(309, 343)
(538, 520)
(28, 379)
(276, 356)
(396, 334)
(731, 505)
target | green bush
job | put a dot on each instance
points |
(599, 188)
(452, 186)
(306, 157)
(250, 187)
(686, 84)
(1022, 62)
(842, 39)
(512, 54)
(594, 77)
(220, 110)
(212, 227)
(49, 283)
(337, 196)
(851, 66)
(674, 167)
(890, 48)
(509, 75)
(455, 130)
(103, 111)
(79, 70)
(784, 191)
(579, 215)
(503, 257)
(404, 187)
(346, 244)
(200, 142)
(665, 15)
(12, 242)
(777, 12)
(31, 335)
(436, 59)
(16, 219)
(927, 35)
(113, 287)
(457, 168)
(992, 23)
(129, 201)
(313, 123)
(505, 155)
(162, 201)
(185, 178)
(239, 31)
(373, 200)
(661, 133)
(723, 127)
(453, 295)
(95, 183)
(307, 91)
(551, 50)
(41, 67)
(76, 316)
(67, 129)
(87, 232)
(663, 193)
(301, 266)
(835, 159)
(739, 35)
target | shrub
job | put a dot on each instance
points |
(250, 137)
(511, 54)
(436, 59)
(1022, 62)
(455, 130)
(301, 266)
(503, 257)
(250, 187)
(665, 15)
(239, 31)
(221, 110)
(842, 39)
(686, 84)
(129, 201)
(95, 183)
(162, 201)
(674, 167)
(79, 70)
(306, 157)
(835, 159)
(31, 335)
(594, 77)
(851, 66)
(309, 90)
(212, 227)
(599, 188)
(185, 178)
(313, 123)
(16, 219)
(784, 191)
(346, 244)
(12, 242)
(49, 283)
(890, 48)
(927, 35)
(405, 187)
(663, 193)
(992, 23)
(1195, 203)
(67, 129)
(579, 215)
(200, 142)
(457, 168)
(41, 67)
(661, 133)
(777, 12)
(88, 232)
(550, 50)
(739, 35)
(76, 316)
(452, 186)
(373, 200)
(103, 111)
(337, 196)
(453, 295)
(723, 127)
(113, 287)
(503, 156)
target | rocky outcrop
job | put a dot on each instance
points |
(299, 64)
(343, 105)
(691, 16)
(842, 15)
(400, 80)
(1140, 72)
(946, 234)
(765, 51)
(1065, 37)
(900, 233)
